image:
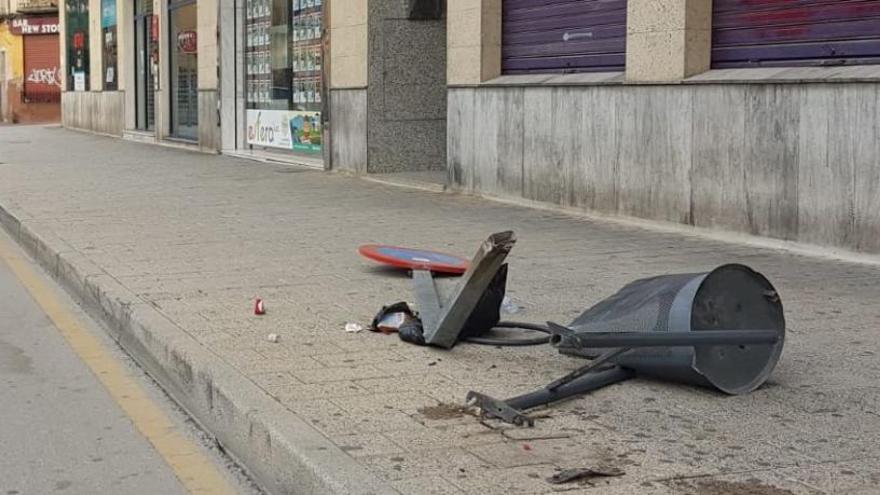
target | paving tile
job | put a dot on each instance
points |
(453, 435)
(308, 391)
(427, 485)
(199, 237)
(366, 444)
(757, 482)
(450, 462)
(839, 478)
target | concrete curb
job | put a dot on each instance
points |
(283, 453)
(406, 183)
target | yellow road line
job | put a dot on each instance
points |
(195, 471)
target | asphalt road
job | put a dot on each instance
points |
(60, 429)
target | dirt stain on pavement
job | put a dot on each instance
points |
(446, 411)
(13, 359)
(720, 487)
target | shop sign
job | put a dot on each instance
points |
(35, 25)
(187, 42)
(286, 129)
(108, 13)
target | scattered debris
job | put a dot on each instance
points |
(530, 434)
(390, 318)
(259, 308)
(352, 327)
(399, 318)
(508, 306)
(737, 318)
(273, 338)
(446, 411)
(392, 322)
(577, 474)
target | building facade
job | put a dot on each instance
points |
(274, 95)
(754, 117)
(30, 76)
(142, 69)
(255, 78)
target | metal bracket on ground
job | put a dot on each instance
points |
(455, 313)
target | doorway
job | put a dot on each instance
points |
(146, 56)
(184, 70)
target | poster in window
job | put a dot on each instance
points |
(79, 81)
(286, 129)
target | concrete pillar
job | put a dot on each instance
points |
(163, 105)
(96, 54)
(126, 59)
(208, 11)
(668, 40)
(62, 43)
(124, 40)
(473, 41)
(349, 53)
(231, 20)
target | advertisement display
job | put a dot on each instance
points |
(285, 129)
(79, 81)
(187, 41)
(108, 13)
(283, 76)
(110, 44)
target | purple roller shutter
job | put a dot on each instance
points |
(563, 36)
(779, 33)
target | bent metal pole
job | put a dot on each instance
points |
(666, 339)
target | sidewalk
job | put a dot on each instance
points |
(174, 247)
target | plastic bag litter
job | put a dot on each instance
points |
(353, 327)
(508, 306)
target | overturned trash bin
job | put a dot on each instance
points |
(723, 329)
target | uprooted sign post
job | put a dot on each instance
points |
(723, 329)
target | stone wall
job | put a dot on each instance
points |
(348, 111)
(97, 111)
(387, 88)
(349, 54)
(789, 161)
(406, 95)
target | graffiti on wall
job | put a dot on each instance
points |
(49, 76)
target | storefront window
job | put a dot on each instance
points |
(146, 52)
(184, 71)
(108, 34)
(283, 64)
(77, 12)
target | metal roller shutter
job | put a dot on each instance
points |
(42, 76)
(563, 36)
(779, 33)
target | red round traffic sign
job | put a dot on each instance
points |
(414, 259)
